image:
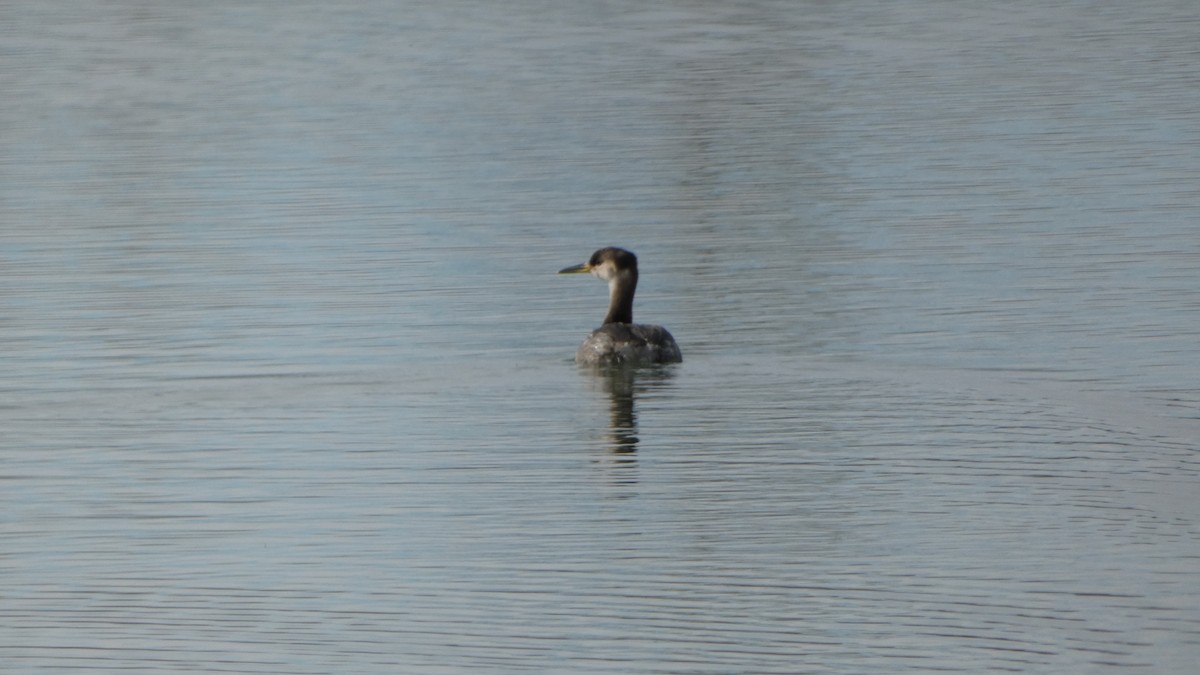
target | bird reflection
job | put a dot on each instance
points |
(620, 385)
(624, 385)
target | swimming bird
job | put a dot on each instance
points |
(619, 339)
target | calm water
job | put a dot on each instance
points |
(286, 367)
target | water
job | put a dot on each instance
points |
(287, 367)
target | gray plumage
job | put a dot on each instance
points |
(616, 343)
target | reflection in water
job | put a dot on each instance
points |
(624, 384)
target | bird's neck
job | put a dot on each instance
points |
(620, 298)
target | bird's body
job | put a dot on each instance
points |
(619, 340)
(628, 343)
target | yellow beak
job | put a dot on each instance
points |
(576, 269)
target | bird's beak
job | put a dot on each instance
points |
(576, 269)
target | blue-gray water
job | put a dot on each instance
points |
(286, 367)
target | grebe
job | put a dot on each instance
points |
(619, 339)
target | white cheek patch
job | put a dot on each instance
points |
(603, 271)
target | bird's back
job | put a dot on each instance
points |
(617, 343)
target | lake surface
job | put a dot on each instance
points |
(287, 381)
